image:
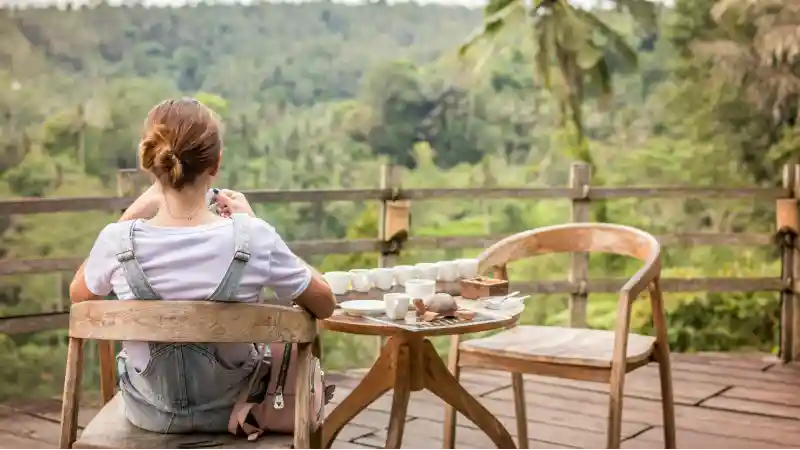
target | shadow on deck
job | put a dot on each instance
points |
(722, 401)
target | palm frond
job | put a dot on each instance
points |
(615, 41)
(643, 12)
(493, 24)
(546, 40)
(600, 77)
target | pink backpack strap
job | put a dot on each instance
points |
(242, 408)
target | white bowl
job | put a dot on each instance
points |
(420, 288)
(467, 268)
(447, 271)
(382, 278)
(404, 273)
(427, 271)
(360, 280)
(338, 281)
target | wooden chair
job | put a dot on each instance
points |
(580, 354)
(184, 321)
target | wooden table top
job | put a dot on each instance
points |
(502, 318)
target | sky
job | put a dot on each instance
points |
(64, 3)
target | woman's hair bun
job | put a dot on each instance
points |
(181, 141)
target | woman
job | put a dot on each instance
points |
(168, 245)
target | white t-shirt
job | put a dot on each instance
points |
(188, 263)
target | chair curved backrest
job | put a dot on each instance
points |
(189, 321)
(580, 237)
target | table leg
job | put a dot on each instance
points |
(408, 363)
(377, 381)
(402, 393)
(444, 385)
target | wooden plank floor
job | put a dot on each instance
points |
(722, 401)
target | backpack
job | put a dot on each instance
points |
(270, 408)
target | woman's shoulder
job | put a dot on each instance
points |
(263, 235)
(261, 229)
(115, 230)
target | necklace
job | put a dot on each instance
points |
(191, 216)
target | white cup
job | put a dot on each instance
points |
(382, 278)
(427, 271)
(360, 280)
(403, 274)
(420, 288)
(338, 281)
(447, 270)
(467, 268)
(396, 305)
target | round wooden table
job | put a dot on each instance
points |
(408, 363)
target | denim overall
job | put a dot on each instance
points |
(184, 387)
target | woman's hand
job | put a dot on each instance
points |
(232, 202)
(146, 206)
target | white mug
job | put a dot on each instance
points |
(427, 271)
(382, 278)
(447, 270)
(396, 305)
(467, 268)
(404, 273)
(420, 288)
(360, 280)
(338, 281)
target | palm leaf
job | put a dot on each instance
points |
(493, 24)
(600, 76)
(643, 12)
(615, 41)
(546, 41)
(499, 15)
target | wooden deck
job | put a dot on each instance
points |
(723, 401)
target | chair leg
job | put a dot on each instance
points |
(616, 393)
(72, 393)
(450, 417)
(303, 400)
(108, 370)
(519, 410)
(664, 368)
(667, 404)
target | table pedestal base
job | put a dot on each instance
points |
(409, 363)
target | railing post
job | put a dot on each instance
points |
(128, 184)
(787, 228)
(795, 319)
(393, 217)
(580, 177)
(393, 214)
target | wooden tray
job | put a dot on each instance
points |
(438, 323)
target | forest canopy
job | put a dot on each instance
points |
(321, 94)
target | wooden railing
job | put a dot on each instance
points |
(580, 193)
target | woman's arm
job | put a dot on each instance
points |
(286, 271)
(317, 298)
(143, 207)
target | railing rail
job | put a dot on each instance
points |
(579, 192)
(80, 204)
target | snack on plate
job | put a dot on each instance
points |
(441, 306)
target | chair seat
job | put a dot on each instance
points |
(559, 345)
(111, 429)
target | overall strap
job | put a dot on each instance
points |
(134, 275)
(226, 291)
